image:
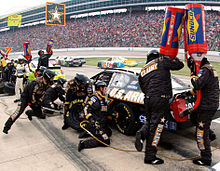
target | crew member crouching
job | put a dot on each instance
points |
(96, 115)
(52, 93)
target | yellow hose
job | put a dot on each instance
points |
(126, 150)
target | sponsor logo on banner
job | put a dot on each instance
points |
(192, 26)
(55, 14)
(14, 20)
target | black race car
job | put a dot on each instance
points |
(125, 100)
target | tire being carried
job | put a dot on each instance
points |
(125, 119)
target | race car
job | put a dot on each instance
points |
(73, 61)
(56, 68)
(125, 100)
(117, 62)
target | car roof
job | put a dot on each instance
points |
(133, 70)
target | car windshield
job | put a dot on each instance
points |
(120, 80)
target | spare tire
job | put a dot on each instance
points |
(9, 88)
(2, 85)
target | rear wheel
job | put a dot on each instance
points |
(125, 119)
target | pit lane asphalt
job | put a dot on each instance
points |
(42, 145)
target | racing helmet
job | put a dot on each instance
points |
(48, 75)
(99, 84)
(152, 54)
(81, 79)
(40, 52)
(61, 81)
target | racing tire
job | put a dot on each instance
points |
(125, 119)
(80, 65)
(2, 85)
(9, 88)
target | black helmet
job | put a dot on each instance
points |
(48, 74)
(99, 84)
(61, 81)
(81, 79)
(153, 54)
(40, 52)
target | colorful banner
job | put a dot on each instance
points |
(14, 20)
(55, 14)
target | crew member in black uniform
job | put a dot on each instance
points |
(155, 82)
(206, 81)
(54, 92)
(96, 115)
(44, 58)
(31, 96)
(77, 94)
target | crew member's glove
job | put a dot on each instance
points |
(185, 112)
(191, 65)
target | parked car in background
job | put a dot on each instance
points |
(117, 62)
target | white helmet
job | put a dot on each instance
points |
(20, 57)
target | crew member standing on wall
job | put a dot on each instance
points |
(207, 81)
(96, 115)
(21, 71)
(155, 82)
(44, 59)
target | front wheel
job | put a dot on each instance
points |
(125, 119)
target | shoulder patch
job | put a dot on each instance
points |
(151, 66)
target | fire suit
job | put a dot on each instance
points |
(43, 60)
(31, 96)
(155, 82)
(207, 82)
(96, 114)
(52, 93)
(75, 99)
(21, 71)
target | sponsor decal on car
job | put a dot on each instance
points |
(130, 96)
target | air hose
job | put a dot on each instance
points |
(127, 150)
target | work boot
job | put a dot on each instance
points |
(154, 161)
(8, 125)
(212, 135)
(202, 162)
(81, 146)
(17, 100)
(65, 126)
(83, 134)
(5, 130)
(29, 114)
(139, 142)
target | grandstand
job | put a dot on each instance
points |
(137, 26)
